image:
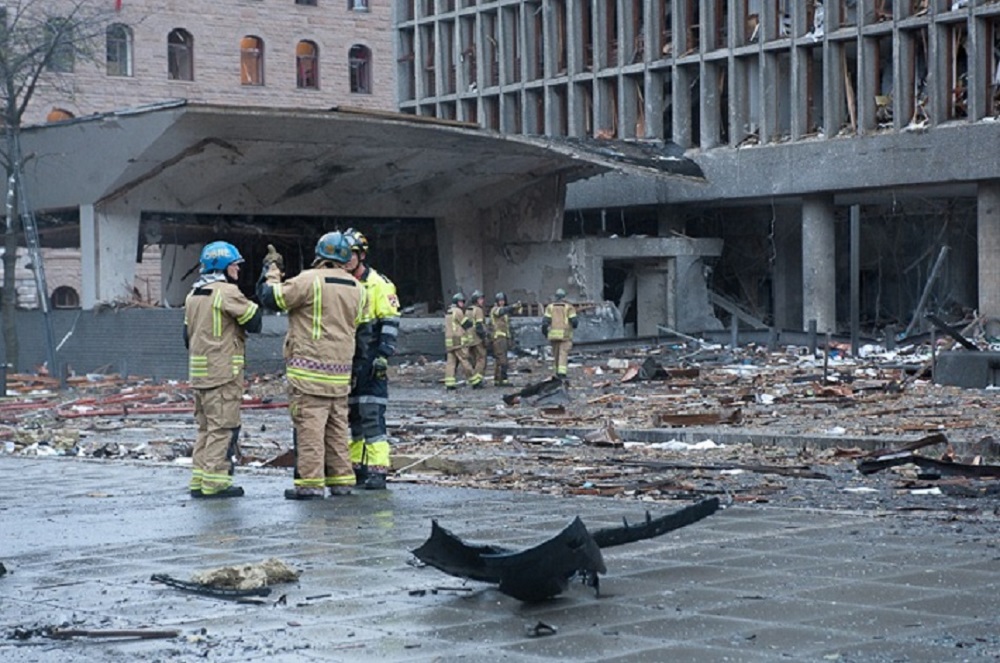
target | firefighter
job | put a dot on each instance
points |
(558, 324)
(475, 339)
(217, 317)
(456, 329)
(370, 393)
(325, 304)
(502, 336)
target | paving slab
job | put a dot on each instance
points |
(81, 538)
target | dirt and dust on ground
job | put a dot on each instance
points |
(679, 420)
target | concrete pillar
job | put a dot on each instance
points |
(460, 252)
(653, 297)
(109, 238)
(175, 262)
(988, 235)
(819, 269)
(787, 276)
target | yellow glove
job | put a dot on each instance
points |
(273, 258)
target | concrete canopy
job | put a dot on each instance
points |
(188, 158)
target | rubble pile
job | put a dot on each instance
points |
(655, 422)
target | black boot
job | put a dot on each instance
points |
(231, 491)
(375, 481)
(304, 494)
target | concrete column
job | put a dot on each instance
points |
(819, 269)
(787, 276)
(175, 262)
(988, 225)
(109, 237)
(460, 252)
(652, 297)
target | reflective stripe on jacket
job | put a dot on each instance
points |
(213, 317)
(560, 317)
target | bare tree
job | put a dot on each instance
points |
(41, 43)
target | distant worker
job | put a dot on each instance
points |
(325, 304)
(502, 336)
(475, 339)
(558, 324)
(370, 393)
(217, 317)
(456, 327)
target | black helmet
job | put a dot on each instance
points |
(457, 297)
(500, 297)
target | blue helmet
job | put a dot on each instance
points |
(335, 246)
(216, 256)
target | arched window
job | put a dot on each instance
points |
(119, 50)
(360, 61)
(65, 297)
(251, 61)
(59, 114)
(180, 55)
(307, 65)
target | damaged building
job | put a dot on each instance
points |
(796, 111)
(539, 132)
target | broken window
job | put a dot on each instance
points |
(848, 53)
(491, 109)
(560, 126)
(512, 54)
(611, 35)
(447, 45)
(180, 55)
(912, 91)
(559, 25)
(535, 112)
(491, 65)
(585, 109)
(467, 57)
(687, 113)
(811, 59)
(958, 72)
(633, 110)
(360, 62)
(470, 111)
(118, 55)
(635, 28)
(745, 121)
(427, 57)
(251, 61)
(307, 65)
(848, 12)
(691, 18)
(407, 76)
(586, 37)
(993, 58)
(721, 33)
(667, 114)
(664, 28)
(536, 29)
(512, 122)
(59, 36)
(607, 110)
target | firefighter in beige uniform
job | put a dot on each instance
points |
(558, 324)
(501, 332)
(456, 329)
(475, 339)
(324, 305)
(216, 319)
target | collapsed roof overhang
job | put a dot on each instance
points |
(210, 159)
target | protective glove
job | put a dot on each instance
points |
(545, 331)
(380, 368)
(273, 258)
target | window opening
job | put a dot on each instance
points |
(180, 55)
(59, 33)
(307, 65)
(958, 72)
(65, 297)
(119, 50)
(310, 3)
(358, 5)
(251, 61)
(59, 114)
(359, 59)
(427, 57)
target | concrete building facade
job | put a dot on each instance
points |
(796, 111)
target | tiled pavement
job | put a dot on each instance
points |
(80, 540)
